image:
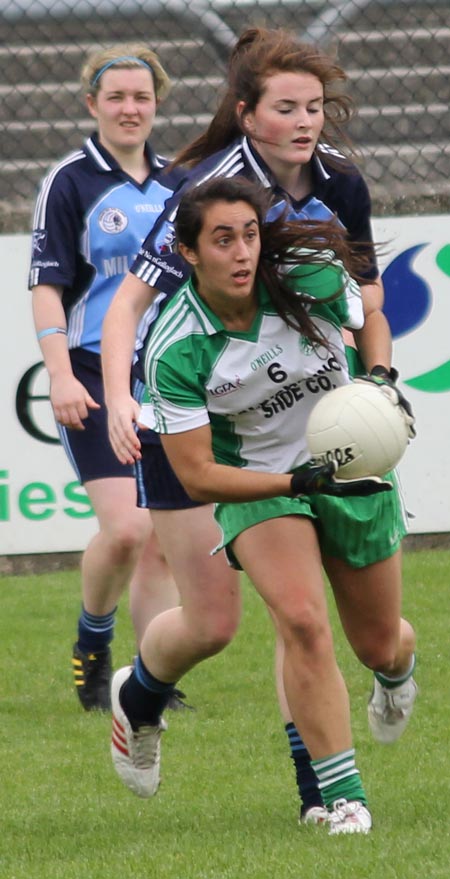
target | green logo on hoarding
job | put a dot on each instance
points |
(38, 501)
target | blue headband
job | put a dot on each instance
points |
(95, 79)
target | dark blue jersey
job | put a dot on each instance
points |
(338, 190)
(89, 222)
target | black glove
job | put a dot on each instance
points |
(321, 480)
(386, 379)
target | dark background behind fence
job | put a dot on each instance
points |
(396, 54)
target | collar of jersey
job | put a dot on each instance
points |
(266, 176)
(211, 324)
(106, 162)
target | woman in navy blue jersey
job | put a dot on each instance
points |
(91, 215)
(280, 123)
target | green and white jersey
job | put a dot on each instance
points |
(256, 388)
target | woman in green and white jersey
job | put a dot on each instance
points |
(234, 366)
(280, 123)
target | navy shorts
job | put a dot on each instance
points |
(89, 450)
(157, 486)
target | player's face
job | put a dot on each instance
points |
(288, 120)
(227, 253)
(124, 108)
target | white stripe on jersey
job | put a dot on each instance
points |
(40, 211)
(332, 151)
(104, 165)
(34, 278)
(320, 167)
(164, 333)
(149, 316)
(76, 321)
(257, 170)
(229, 166)
(149, 273)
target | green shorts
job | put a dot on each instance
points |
(359, 530)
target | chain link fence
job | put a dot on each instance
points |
(396, 54)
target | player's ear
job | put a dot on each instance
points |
(188, 254)
(245, 118)
(91, 103)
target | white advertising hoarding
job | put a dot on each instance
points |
(416, 274)
(43, 508)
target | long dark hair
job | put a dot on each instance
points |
(259, 53)
(283, 244)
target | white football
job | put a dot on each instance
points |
(360, 427)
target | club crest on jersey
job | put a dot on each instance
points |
(306, 346)
(39, 241)
(113, 221)
(165, 241)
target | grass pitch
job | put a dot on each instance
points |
(227, 807)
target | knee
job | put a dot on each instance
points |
(218, 632)
(303, 623)
(126, 537)
(380, 647)
(379, 654)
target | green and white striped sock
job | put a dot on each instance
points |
(339, 778)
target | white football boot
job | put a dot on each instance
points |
(314, 815)
(349, 817)
(135, 753)
(389, 710)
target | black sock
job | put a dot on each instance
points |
(95, 633)
(143, 697)
(307, 783)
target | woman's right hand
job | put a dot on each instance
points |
(70, 400)
(123, 415)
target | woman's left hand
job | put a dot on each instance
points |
(123, 416)
(381, 376)
(322, 480)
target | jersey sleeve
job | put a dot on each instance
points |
(157, 263)
(56, 233)
(175, 400)
(357, 220)
(331, 280)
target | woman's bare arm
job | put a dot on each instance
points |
(132, 299)
(190, 454)
(69, 398)
(374, 340)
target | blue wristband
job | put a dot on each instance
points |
(50, 331)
